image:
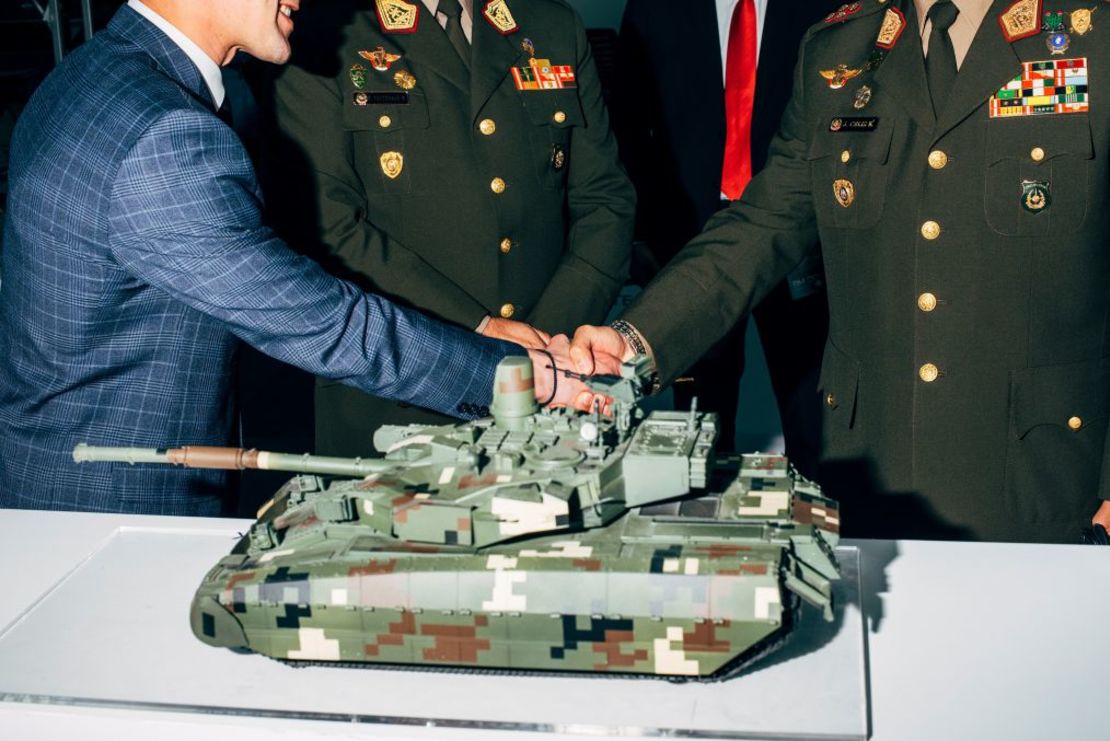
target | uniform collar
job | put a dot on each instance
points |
(209, 70)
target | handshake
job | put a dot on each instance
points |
(558, 360)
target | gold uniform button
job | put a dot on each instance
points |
(506, 246)
(385, 122)
(559, 117)
(830, 400)
(930, 230)
(487, 126)
(938, 160)
(845, 156)
(1075, 423)
(507, 311)
(497, 185)
(1037, 154)
(926, 302)
(928, 373)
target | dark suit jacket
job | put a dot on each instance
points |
(135, 259)
(669, 113)
(991, 403)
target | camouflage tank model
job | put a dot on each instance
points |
(537, 541)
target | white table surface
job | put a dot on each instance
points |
(966, 641)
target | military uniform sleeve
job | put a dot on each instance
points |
(602, 206)
(743, 252)
(316, 165)
(185, 218)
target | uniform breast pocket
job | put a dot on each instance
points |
(379, 124)
(554, 115)
(849, 173)
(1037, 174)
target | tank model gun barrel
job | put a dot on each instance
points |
(233, 459)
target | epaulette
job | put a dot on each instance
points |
(852, 11)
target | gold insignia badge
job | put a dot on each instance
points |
(392, 164)
(558, 157)
(397, 16)
(404, 80)
(1021, 20)
(839, 77)
(379, 58)
(498, 15)
(1081, 21)
(893, 25)
(844, 192)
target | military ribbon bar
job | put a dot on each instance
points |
(1043, 88)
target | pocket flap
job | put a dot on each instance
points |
(1068, 396)
(406, 109)
(1040, 138)
(871, 144)
(558, 108)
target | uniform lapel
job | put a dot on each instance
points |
(494, 56)
(429, 47)
(990, 63)
(902, 73)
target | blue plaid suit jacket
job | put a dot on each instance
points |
(134, 261)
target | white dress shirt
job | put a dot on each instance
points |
(209, 70)
(725, 8)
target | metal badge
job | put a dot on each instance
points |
(861, 98)
(558, 157)
(358, 76)
(1081, 21)
(1058, 43)
(392, 164)
(404, 80)
(379, 58)
(528, 47)
(854, 124)
(838, 78)
(1035, 196)
(844, 192)
(361, 99)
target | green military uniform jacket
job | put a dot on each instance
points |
(452, 191)
(966, 373)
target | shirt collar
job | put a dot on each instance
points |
(209, 70)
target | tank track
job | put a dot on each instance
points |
(769, 645)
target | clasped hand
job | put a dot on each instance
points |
(553, 385)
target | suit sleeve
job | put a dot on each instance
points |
(743, 252)
(308, 111)
(185, 219)
(602, 209)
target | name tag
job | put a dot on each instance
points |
(858, 124)
(389, 97)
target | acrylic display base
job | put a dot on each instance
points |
(115, 633)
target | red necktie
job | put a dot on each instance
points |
(740, 66)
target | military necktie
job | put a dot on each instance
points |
(453, 10)
(940, 65)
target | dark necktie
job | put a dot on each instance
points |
(940, 65)
(740, 65)
(453, 10)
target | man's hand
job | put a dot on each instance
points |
(522, 334)
(1102, 516)
(568, 391)
(594, 347)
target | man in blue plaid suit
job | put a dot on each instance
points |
(135, 259)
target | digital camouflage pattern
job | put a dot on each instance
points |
(545, 541)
